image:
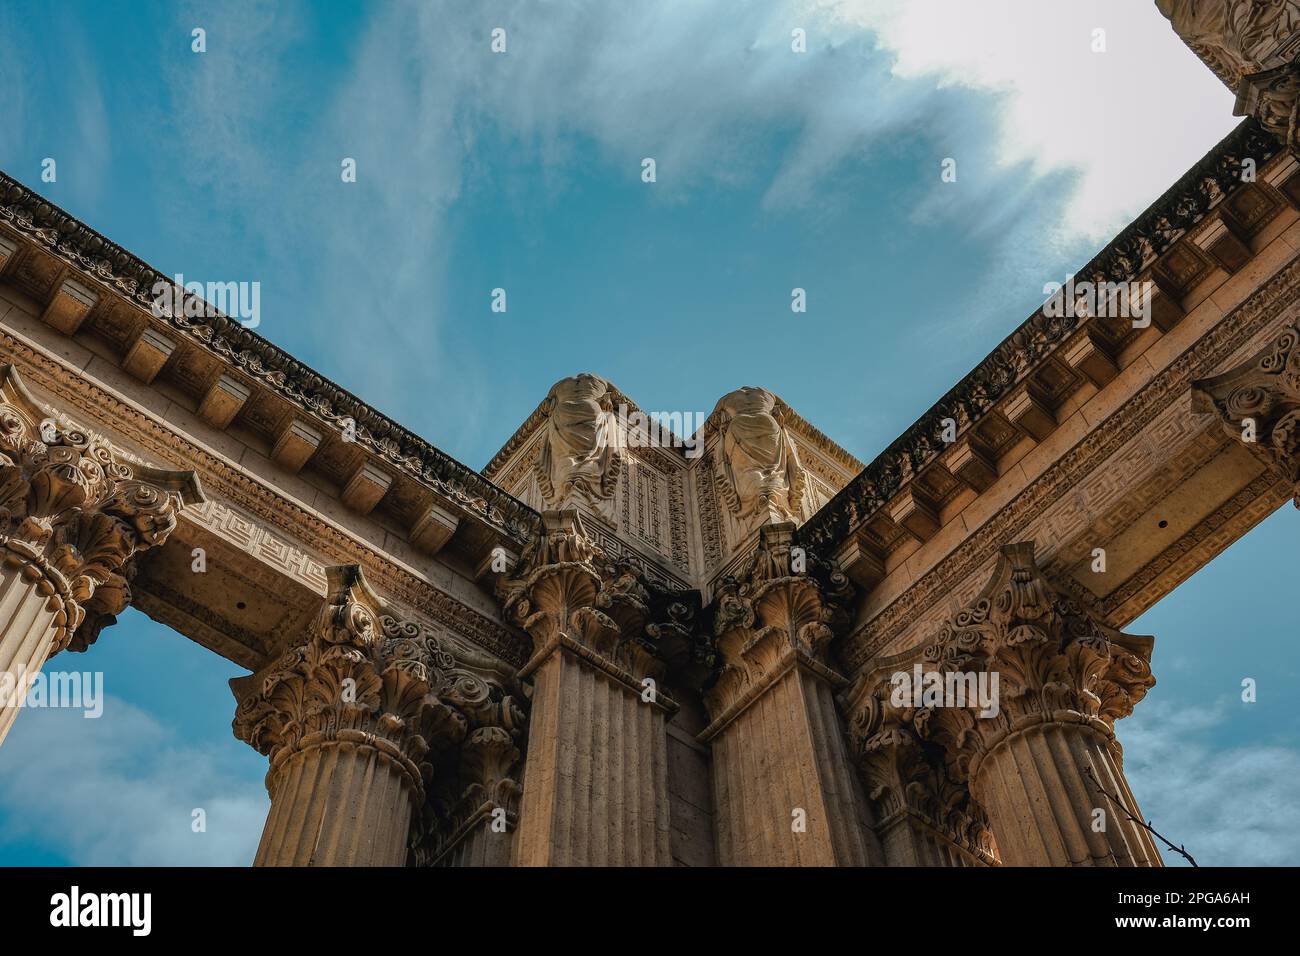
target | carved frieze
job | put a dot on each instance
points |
(1135, 249)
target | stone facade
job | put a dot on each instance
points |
(630, 643)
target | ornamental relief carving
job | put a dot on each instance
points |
(1258, 404)
(1252, 46)
(907, 775)
(241, 504)
(1235, 37)
(762, 479)
(580, 455)
(74, 513)
(568, 591)
(1157, 409)
(1054, 663)
(772, 614)
(362, 678)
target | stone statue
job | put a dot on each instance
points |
(763, 480)
(1235, 38)
(580, 455)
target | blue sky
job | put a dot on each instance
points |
(521, 171)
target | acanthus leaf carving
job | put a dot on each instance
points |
(1053, 662)
(76, 515)
(771, 614)
(1258, 404)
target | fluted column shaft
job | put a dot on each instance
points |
(784, 786)
(31, 618)
(1042, 804)
(482, 846)
(596, 781)
(337, 802)
(348, 718)
(1038, 748)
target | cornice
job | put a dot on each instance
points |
(107, 264)
(231, 484)
(1012, 521)
(1124, 259)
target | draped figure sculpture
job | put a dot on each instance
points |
(763, 480)
(580, 455)
(1236, 37)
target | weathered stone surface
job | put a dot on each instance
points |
(704, 685)
(73, 516)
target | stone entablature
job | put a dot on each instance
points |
(1133, 471)
(266, 541)
(1015, 395)
(235, 378)
(708, 620)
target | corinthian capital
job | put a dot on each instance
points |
(905, 776)
(479, 778)
(568, 593)
(1051, 661)
(360, 677)
(1258, 403)
(74, 514)
(783, 609)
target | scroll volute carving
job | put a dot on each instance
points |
(481, 775)
(557, 584)
(75, 514)
(771, 611)
(1258, 404)
(1053, 663)
(359, 676)
(905, 774)
(566, 588)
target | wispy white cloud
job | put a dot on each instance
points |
(1229, 805)
(1130, 119)
(713, 91)
(121, 790)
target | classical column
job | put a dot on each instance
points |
(72, 517)
(922, 815)
(348, 718)
(472, 811)
(1022, 691)
(1253, 48)
(596, 781)
(1258, 403)
(785, 790)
